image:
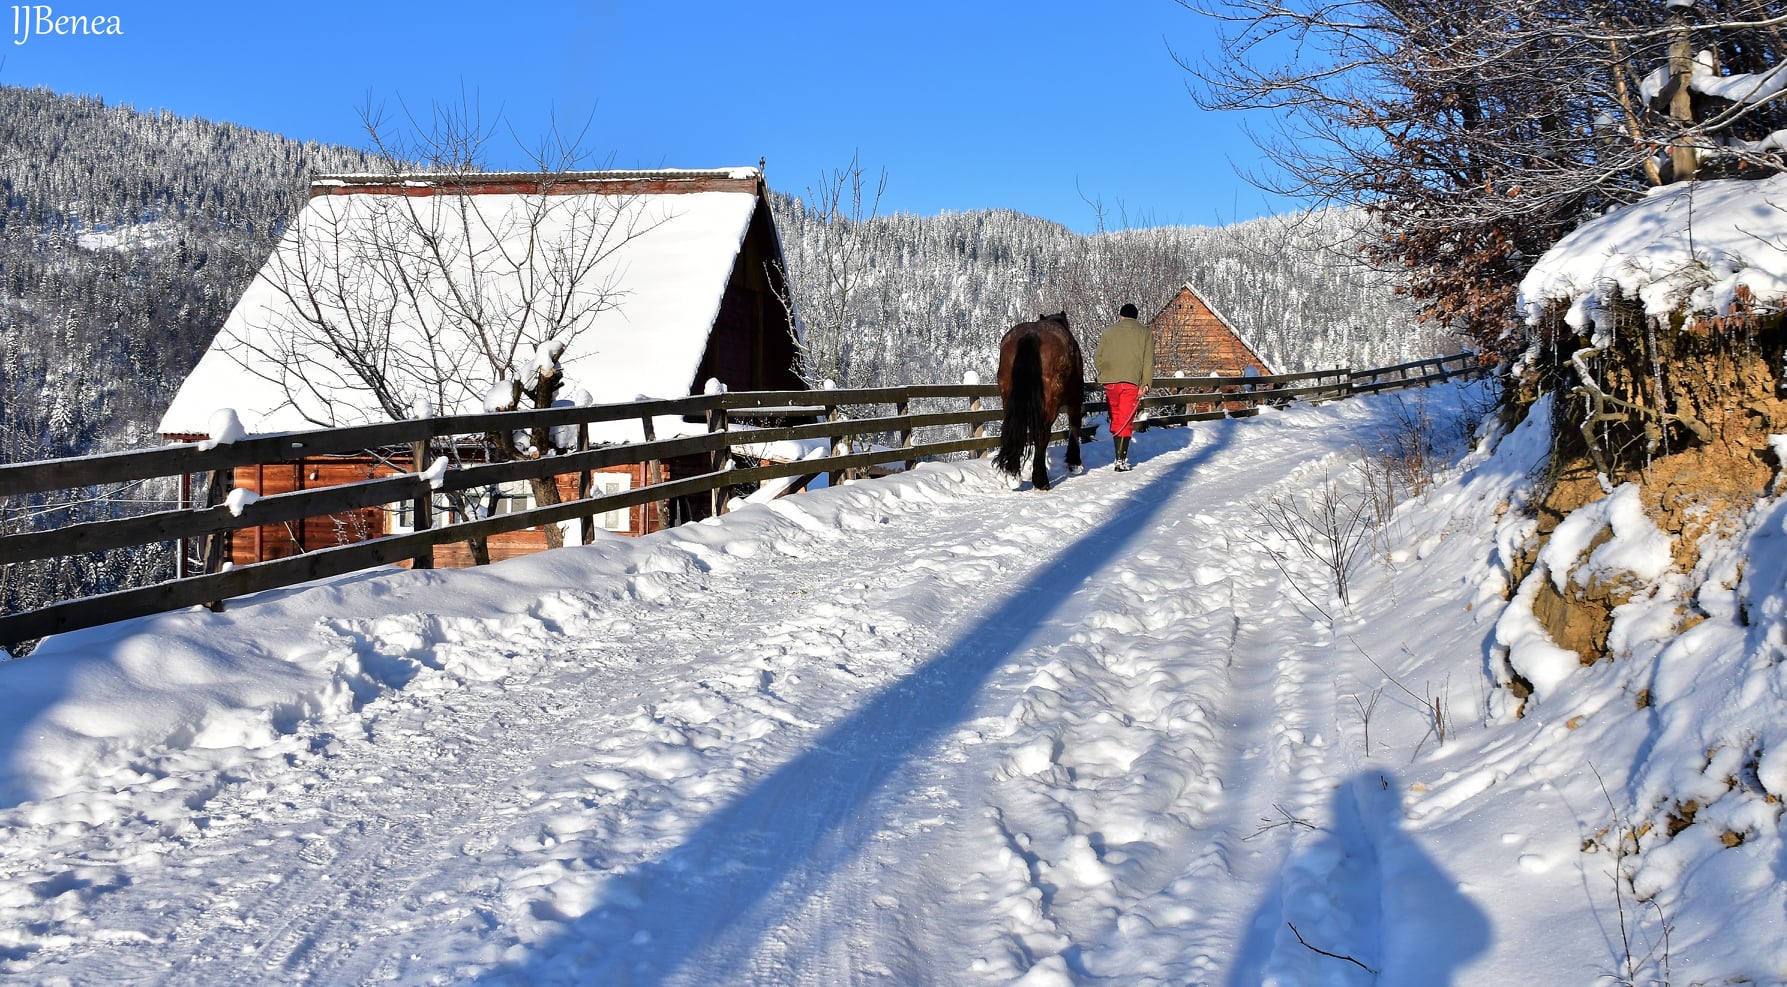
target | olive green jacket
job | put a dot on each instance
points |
(1125, 354)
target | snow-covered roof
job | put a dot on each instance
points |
(563, 179)
(1686, 248)
(667, 243)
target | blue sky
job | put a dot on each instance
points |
(1035, 106)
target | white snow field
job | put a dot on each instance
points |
(921, 730)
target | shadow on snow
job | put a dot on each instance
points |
(1370, 906)
(697, 912)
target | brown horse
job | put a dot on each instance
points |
(1041, 374)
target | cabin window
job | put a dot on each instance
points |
(512, 498)
(613, 483)
(400, 518)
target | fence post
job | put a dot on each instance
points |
(979, 429)
(903, 409)
(840, 444)
(184, 545)
(422, 507)
(654, 471)
(586, 481)
(214, 542)
(716, 422)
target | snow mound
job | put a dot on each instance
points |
(1690, 247)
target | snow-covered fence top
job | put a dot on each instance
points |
(812, 420)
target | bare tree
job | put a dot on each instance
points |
(1114, 264)
(831, 272)
(1479, 131)
(1326, 524)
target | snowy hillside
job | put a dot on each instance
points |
(909, 299)
(928, 730)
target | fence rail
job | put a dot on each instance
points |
(1173, 401)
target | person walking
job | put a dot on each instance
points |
(1125, 364)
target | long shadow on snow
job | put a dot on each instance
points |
(696, 913)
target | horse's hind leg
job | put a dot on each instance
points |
(1076, 417)
(1039, 467)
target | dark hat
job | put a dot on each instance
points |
(1128, 311)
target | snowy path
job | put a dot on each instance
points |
(958, 734)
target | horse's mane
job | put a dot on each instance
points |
(1060, 317)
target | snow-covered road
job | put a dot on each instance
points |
(920, 731)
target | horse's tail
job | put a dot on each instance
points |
(1023, 410)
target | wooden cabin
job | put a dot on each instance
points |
(1192, 339)
(688, 288)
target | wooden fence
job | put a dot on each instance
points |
(888, 412)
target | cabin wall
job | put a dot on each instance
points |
(274, 541)
(277, 541)
(752, 346)
(1191, 339)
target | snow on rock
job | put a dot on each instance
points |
(1684, 247)
(1531, 651)
(1609, 543)
(1634, 545)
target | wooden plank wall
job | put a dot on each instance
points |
(1191, 339)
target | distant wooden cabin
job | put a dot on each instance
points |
(691, 281)
(1193, 339)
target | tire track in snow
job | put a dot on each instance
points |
(371, 841)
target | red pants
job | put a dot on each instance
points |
(1123, 399)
